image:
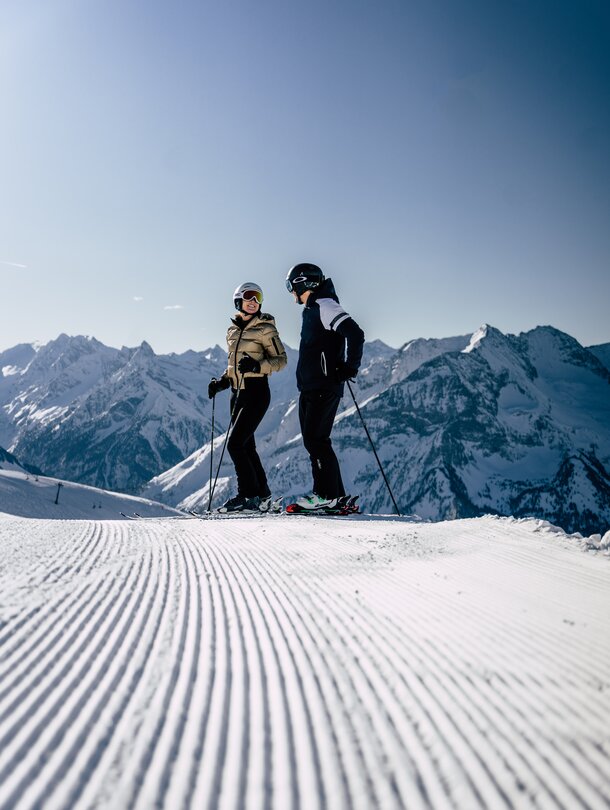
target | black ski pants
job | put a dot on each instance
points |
(317, 411)
(248, 406)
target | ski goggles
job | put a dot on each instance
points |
(252, 295)
(290, 285)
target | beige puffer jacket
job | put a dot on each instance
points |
(259, 338)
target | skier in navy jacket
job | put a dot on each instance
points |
(329, 354)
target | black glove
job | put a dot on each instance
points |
(345, 372)
(217, 385)
(248, 364)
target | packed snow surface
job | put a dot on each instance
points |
(302, 662)
(29, 495)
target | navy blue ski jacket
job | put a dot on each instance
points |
(329, 337)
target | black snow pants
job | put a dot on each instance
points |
(252, 404)
(317, 410)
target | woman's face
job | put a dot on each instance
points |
(250, 306)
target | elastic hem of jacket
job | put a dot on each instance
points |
(250, 381)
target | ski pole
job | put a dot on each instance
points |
(229, 430)
(373, 446)
(212, 452)
(224, 445)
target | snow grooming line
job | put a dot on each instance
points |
(159, 660)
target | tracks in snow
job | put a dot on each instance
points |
(275, 664)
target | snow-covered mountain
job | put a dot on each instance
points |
(511, 425)
(10, 462)
(489, 423)
(602, 352)
(514, 425)
(103, 416)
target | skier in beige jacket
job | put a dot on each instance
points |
(255, 351)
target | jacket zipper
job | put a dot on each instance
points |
(323, 363)
(237, 376)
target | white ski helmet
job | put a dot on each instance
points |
(242, 291)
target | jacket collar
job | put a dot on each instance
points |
(241, 324)
(325, 290)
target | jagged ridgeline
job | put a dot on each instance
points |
(481, 423)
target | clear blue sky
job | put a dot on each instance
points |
(447, 163)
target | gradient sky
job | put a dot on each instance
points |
(447, 163)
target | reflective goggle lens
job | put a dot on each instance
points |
(298, 280)
(249, 295)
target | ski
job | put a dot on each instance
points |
(231, 515)
(275, 508)
(138, 516)
(227, 515)
(345, 507)
(319, 512)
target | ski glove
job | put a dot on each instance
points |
(345, 372)
(248, 364)
(217, 385)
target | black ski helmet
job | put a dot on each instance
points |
(303, 277)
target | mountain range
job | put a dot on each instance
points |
(107, 417)
(467, 425)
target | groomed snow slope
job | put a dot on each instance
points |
(294, 662)
(34, 496)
